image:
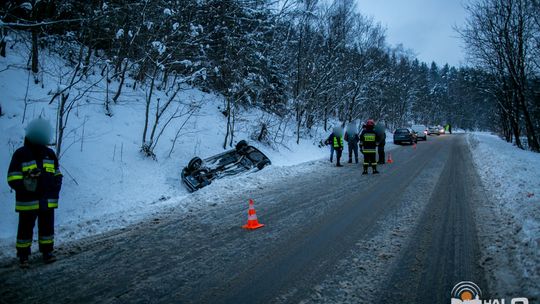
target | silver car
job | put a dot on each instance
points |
(421, 131)
(434, 130)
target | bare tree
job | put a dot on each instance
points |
(499, 35)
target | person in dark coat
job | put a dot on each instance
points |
(352, 139)
(34, 174)
(380, 130)
(368, 145)
(335, 140)
(327, 142)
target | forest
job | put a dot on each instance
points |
(305, 60)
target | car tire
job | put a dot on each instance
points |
(194, 164)
(263, 164)
(241, 145)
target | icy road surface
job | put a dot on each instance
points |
(332, 235)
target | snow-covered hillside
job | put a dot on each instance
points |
(510, 220)
(107, 182)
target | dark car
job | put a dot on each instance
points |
(404, 135)
(200, 173)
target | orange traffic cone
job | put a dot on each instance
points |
(252, 222)
(390, 160)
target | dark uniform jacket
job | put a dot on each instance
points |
(381, 133)
(368, 141)
(351, 139)
(35, 176)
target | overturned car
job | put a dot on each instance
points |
(200, 173)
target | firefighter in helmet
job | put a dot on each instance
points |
(368, 146)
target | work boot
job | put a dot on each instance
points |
(48, 257)
(350, 161)
(339, 165)
(365, 170)
(23, 262)
(375, 170)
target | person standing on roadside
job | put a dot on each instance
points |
(34, 174)
(352, 139)
(335, 140)
(328, 142)
(368, 145)
(380, 130)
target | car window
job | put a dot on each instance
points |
(402, 131)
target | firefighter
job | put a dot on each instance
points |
(380, 130)
(368, 146)
(351, 137)
(35, 176)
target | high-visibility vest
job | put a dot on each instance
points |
(338, 142)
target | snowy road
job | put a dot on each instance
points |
(331, 235)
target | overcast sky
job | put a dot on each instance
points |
(425, 26)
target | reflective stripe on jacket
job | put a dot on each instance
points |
(338, 142)
(368, 141)
(35, 176)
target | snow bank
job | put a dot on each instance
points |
(107, 183)
(510, 222)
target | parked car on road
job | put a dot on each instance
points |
(434, 130)
(421, 131)
(200, 173)
(442, 130)
(404, 135)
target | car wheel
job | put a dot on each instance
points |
(194, 164)
(241, 145)
(263, 164)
